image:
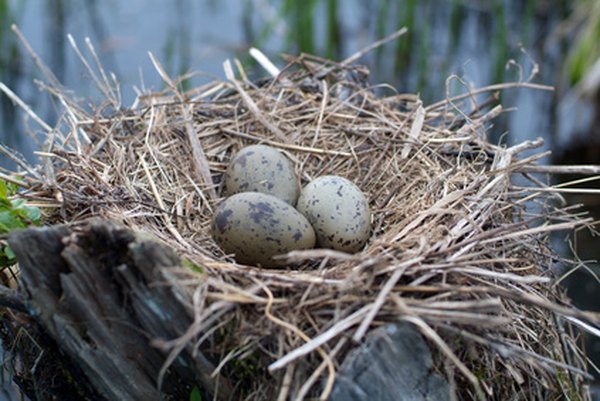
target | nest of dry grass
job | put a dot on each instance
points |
(457, 248)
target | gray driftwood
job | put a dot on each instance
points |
(99, 291)
(394, 364)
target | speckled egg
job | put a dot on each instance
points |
(338, 211)
(255, 227)
(260, 168)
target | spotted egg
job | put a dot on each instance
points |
(261, 168)
(338, 211)
(255, 227)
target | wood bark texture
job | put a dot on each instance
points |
(393, 364)
(102, 293)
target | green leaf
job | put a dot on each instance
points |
(15, 214)
(9, 253)
(33, 214)
(9, 222)
(7, 189)
(191, 265)
(3, 190)
(5, 204)
(195, 394)
(18, 203)
(7, 256)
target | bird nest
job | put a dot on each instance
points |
(458, 248)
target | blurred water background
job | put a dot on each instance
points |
(479, 41)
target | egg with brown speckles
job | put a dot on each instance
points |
(338, 211)
(255, 227)
(261, 168)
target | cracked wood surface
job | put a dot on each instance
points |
(99, 291)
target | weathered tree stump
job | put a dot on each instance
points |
(101, 292)
(394, 364)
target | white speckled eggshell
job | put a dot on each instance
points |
(260, 168)
(256, 226)
(338, 211)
